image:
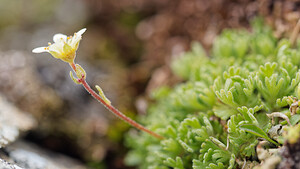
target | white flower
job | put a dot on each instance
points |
(64, 47)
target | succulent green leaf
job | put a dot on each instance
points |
(295, 119)
(253, 129)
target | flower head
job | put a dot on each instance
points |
(64, 47)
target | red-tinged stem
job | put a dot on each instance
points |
(112, 108)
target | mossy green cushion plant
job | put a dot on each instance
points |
(228, 103)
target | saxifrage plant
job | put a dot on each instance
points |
(233, 107)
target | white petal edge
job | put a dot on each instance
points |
(59, 37)
(81, 31)
(40, 50)
(76, 38)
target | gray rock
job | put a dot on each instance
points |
(31, 156)
(28, 159)
(6, 165)
(12, 122)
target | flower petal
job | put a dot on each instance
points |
(81, 31)
(55, 54)
(40, 50)
(57, 47)
(59, 37)
(74, 41)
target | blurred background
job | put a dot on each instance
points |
(126, 50)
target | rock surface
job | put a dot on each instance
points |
(16, 154)
(28, 155)
(12, 122)
(6, 165)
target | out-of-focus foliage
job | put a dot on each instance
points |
(23, 12)
(216, 117)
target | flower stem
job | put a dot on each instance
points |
(112, 108)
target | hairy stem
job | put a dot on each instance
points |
(112, 108)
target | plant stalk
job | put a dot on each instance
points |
(112, 108)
